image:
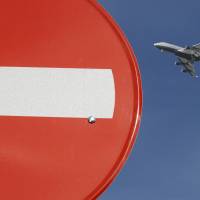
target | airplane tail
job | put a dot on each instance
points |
(196, 46)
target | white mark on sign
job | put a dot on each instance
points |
(56, 92)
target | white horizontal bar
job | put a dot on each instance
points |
(56, 92)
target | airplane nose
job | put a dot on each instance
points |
(158, 45)
(155, 44)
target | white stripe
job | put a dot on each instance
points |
(56, 92)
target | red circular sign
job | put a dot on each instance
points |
(70, 99)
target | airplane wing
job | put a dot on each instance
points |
(188, 66)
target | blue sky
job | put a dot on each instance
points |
(165, 162)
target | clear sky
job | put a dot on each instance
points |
(165, 162)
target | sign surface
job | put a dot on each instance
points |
(56, 92)
(62, 63)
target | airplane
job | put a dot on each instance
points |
(186, 56)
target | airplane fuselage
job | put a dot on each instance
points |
(179, 51)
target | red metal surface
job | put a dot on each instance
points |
(53, 158)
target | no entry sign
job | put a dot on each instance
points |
(70, 99)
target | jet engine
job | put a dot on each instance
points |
(178, 63)
(184, 70)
